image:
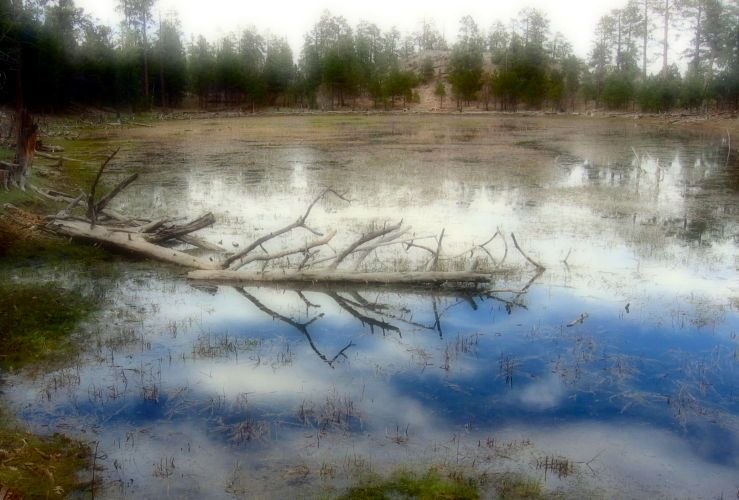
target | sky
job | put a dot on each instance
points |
(293, 18)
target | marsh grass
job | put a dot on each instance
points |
(36, 322)
(26, 249)
(39, 307)
(405, 484)
(33, 466)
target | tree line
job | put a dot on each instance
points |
(53, 55)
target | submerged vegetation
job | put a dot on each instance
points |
(404, 484)
(38, 318)
(34, 466)
(37, 325)
(36, 321)
(439, 484)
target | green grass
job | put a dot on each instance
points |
(403, 484)
(38, 316)
(36, 321)
(34, 466)
(34, 252)
(436, 484)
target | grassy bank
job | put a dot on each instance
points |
(437, 483)
(33, 466)
(38, 319)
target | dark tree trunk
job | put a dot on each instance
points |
(27, 132)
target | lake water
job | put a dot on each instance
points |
(620, 361)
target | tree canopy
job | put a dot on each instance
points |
(54, 55)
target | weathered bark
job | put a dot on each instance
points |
(129, 242)
(387, 278)
(200, 243)
(176, 231)
(25, 148)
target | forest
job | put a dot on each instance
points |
(55, 57)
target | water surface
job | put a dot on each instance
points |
(621, 358)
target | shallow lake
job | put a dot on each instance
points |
(619, 364)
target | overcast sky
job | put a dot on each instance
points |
(292, 18)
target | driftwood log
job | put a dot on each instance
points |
(317, 263)
(330, 276)
(128, 241)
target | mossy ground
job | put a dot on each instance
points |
(38, 316)
(36, 321)
(33, 466)
(438, 483)
(405, 484)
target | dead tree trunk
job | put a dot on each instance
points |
(27, 133)
(128, 241)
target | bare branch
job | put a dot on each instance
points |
(388, 238)
(100, 206)
(434, 262)
(375, 246)
(290, 251)
(437, 317)
(298, 223)
(323, 193)
(413, 244)
(505, 243)
(308, 256)
(91, 207)
(515, 243)
(365, 238)
(67, 211)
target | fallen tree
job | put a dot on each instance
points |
(330, 276)
(88, 217)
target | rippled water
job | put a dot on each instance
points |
(622, 358)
